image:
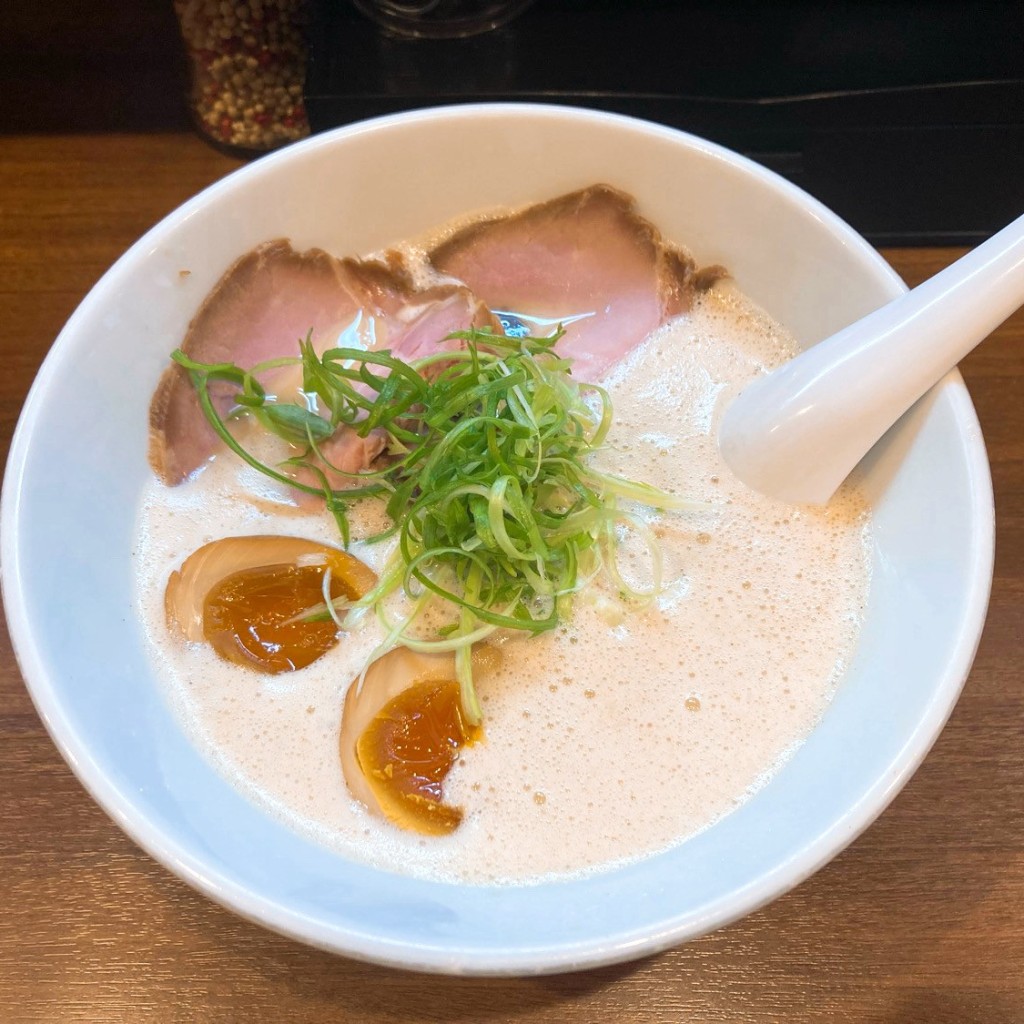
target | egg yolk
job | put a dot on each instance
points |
(253, 617)
(408, 749)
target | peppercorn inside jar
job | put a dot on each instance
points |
(248, 68)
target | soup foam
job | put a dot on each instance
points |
(611, 738)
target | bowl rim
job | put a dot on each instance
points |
(540, 959)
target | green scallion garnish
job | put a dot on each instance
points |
(487, 481)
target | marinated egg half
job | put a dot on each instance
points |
(246, 597)
(402, 730)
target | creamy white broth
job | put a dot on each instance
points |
(610, 738)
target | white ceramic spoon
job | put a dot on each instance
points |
(796, 433)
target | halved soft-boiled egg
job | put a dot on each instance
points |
(254, 599)
(402, 729)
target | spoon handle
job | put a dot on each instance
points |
(796, 433)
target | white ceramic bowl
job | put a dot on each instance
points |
(79, 460)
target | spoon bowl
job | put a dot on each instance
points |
(797, 433)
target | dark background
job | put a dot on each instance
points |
(907, 117)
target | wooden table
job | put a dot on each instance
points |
(921, 920)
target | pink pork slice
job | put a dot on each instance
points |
(586, 255)
(415, 320)
(264, 304)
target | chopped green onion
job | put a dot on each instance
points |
(487, 484)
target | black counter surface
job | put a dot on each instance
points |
(906, 118)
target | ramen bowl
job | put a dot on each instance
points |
(78, 466)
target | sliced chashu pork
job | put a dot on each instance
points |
(586, 255)
(587, 258)
(264, 304)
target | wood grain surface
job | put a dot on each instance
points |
(921, 919)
